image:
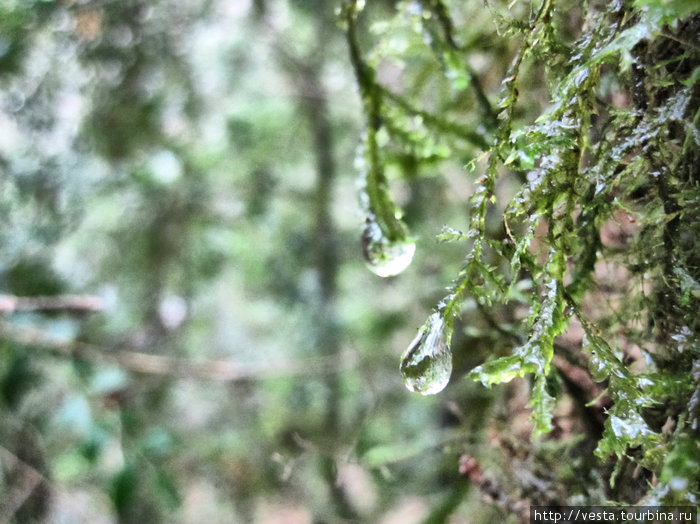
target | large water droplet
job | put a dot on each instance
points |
(385, 257)
(426, 365)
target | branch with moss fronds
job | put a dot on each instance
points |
(435, 121)
(443, 16)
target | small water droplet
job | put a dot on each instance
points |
(426, 365)
(581, 77)
(598, 368)
(385, 257)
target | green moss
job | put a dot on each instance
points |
(612, 150)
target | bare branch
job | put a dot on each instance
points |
(153, 364)
(77, 303)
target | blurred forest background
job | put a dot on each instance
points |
(189, 332)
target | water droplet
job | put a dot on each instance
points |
(598, 367)
(581, 77)
(426, 365)
(599, 187)
(385, 257)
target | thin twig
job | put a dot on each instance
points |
(444, 125)
(153, 364)
(448, 29)
(491, 490)
(11, 303)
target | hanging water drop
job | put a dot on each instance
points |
(426, 365)
(385, 257)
